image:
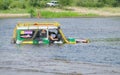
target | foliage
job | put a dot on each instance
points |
(65, 2)
(23, 4)
(34, 3)
(87, 3)
(29, 6)
(97, 3)
(18, 4)
(43, 3)
(32, 12)
(4, 4)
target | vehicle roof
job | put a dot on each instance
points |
(38, 25)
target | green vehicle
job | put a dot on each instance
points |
(39, 33)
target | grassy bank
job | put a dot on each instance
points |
(50, 14)
(63, 13)
(14, 11)
(108, 9)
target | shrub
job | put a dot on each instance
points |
(97, 3)
(65, 2)
(4, 4)
(18, 4)
(32, 12)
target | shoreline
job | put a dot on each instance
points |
(19, 15)
(9, 15)
(28, 16)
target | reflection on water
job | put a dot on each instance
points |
(104, 47)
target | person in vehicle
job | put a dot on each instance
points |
(43, 33)
(52, 38)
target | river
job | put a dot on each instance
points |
(100, 56)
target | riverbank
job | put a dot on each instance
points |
(105, 11)
(9, 15)
(63, 12)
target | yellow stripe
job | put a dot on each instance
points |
(14, 33)
(27, 42)
(64, 38)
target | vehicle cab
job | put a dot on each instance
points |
(39, 32)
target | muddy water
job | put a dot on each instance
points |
(100, 56)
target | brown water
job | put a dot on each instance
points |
(100, 56)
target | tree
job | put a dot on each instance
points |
(65, 2)
(32, 12)
(117, 3)
(18, 4)
(97, 3)
(34, 3)
(108, 2)
(4, 4)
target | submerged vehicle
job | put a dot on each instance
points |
(40, 32)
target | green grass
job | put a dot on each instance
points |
(107, 9)
(89, 15)
(14, 11)
(113, 10)
(49, 14)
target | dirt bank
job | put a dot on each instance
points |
(8, 15)
(99, 11)
(105, 11)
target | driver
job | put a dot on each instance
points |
(52, 39)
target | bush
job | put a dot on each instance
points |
(32, 12)
(87, 3)
(117, 3)
(65, 2)
(4, 4)
(18, 4)
(97, 3)
(43, 3)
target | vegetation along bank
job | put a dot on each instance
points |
(66, 8)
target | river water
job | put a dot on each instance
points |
(100, 56)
